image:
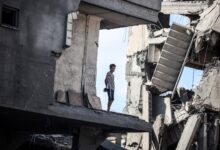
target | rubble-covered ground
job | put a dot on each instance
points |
(48, 142)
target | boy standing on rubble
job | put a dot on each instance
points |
(110, 85)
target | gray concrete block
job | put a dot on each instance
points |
(189, 132)
(74, 98)
(60, 97)
(93, 101)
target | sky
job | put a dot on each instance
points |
(112, 49)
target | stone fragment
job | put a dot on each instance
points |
(92, 101)
(74, 98)
(60, 97)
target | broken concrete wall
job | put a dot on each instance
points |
(134, 74)
(82, 53)
(138, 36)
(133, 96)
(76, 68)
(137, 43)
(91, 52)
(207, 92)
(70, 65)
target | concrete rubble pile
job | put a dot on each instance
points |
(195, 122)
(207, 93)
(55, 142)
(62, 142)
(182, 118)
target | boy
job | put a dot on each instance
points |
(110, 85)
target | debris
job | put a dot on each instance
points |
(180, 115)
(74, 98)
(60, 97)
(183, 7)
(208, 18)
(189, 132)
(159, 126)
(183, 118)
(172, 59)
(168, 111)
(207, 93)
(133, 140)
(55, 142)
(107, 145)
(92, 101)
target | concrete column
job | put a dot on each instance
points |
(135, 80)
(90, 54)
(134, 140)
(146, 115)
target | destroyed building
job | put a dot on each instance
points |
(48, 63)
(183, 119)
(48, 51)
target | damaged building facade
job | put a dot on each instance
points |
(48, 53)
(48, 65)
(183, 119)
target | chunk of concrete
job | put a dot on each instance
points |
(133, 140)
(189, 132)
(92, 101)
(158, 126)
(60, 97)
(146, 115)
(168, 111)
(180, 115)
(74, 98)
(207, 93)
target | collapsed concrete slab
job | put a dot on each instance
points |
(189, 133)
(207, 93)
(208, 19)
(208, 26)
(173, 56)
